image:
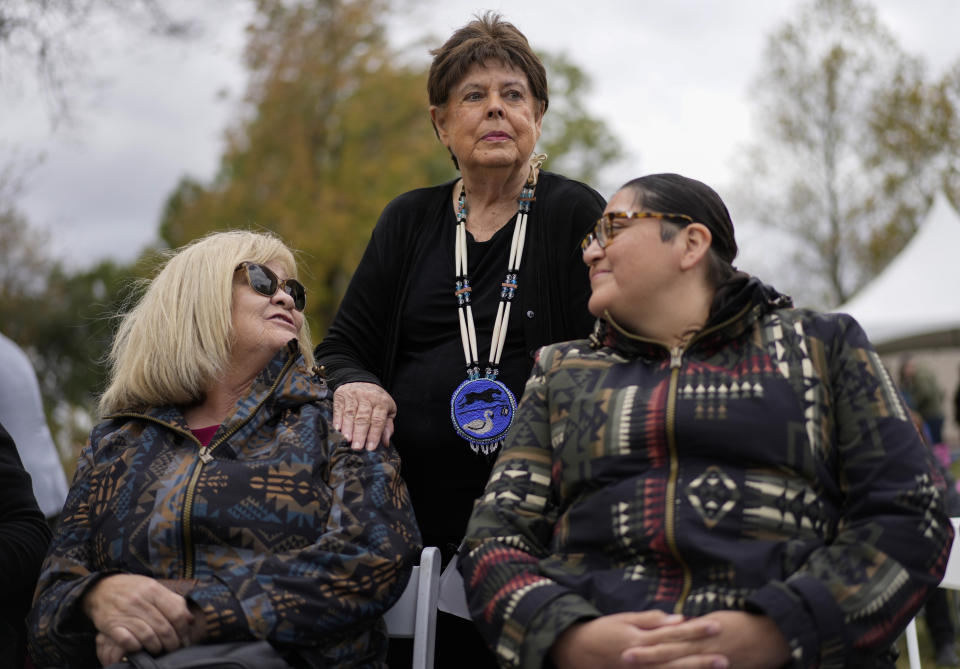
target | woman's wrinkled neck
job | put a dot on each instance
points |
(491, 197)
(491, 186)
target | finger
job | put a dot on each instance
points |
(690, 630)
(105, 649)
(153, 621)
(673, 641)
(650, 620)
(347, 417)
(121, 637)
(167, 636)
(158, 617)
(176, 613)
(145, 635)
(112, 655)
(709, 661)
(378, 422)
(150, 630)
(658, 653)
(361, 424)
(387, 432)
(338, 406)
(109, 655)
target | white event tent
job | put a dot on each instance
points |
(914, 302)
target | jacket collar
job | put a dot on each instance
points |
(284, 383)
(738, 304)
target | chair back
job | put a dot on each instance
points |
(951, 577)
(951, 581)
(414, 615)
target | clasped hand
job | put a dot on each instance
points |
(133, 612)
(656, 640)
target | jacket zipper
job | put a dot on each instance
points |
(205, 456)
(670, 521)
(670, 524)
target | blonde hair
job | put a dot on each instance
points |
(177, 338)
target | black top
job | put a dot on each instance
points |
(430, 365)
(24, 538)
(397, 326)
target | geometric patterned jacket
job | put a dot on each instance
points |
(769, 466)
(277, 530)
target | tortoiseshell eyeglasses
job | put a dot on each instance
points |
(606, 228)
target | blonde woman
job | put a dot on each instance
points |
(213, 503)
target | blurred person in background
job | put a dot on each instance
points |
(956, 401)
(923, 394)
(21, 411)
(938, 612)
(425, 348)
(214, 504)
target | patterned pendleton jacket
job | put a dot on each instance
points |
(277, 529)
(769, 467)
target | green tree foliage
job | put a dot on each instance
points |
(22, 252)
(847, 125)
(68, 336)
(61, 319)
(332, 129)
(915, 147)
(578, 145)
(335, 129)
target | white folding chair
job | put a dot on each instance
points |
(951, 581)
(415, 613)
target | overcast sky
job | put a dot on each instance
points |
(671, 78)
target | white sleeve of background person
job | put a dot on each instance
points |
(21, 413)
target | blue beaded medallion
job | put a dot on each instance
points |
(482, 411)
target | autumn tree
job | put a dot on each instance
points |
(62, 319)
(832, 166)
(336, 126)
(22, 249)
(914, 150)
(334, 130)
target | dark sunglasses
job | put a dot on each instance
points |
(263, 280)
(605, 230)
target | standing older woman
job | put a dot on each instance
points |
(214, 504)
(711, 452)
(443, 268)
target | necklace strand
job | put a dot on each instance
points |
(508, 288)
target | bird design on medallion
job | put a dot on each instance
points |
(480, 425)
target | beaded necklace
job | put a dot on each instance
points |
(482, 408)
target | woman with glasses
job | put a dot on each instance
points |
(713, 479)
(214, 504)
